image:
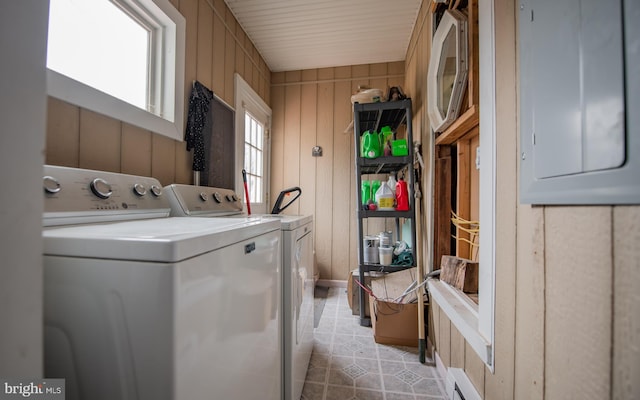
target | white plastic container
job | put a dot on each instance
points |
(386, 255)
(385, 197)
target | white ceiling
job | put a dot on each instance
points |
(304, 34)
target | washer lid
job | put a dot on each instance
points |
(158, 240)
(290, 222)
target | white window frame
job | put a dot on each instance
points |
(246, 99)
(476, 323)
(168, 74)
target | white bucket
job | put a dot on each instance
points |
(386, 255)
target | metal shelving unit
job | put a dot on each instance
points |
(373, 116)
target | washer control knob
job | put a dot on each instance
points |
(216, 197)
(51, 184)
(101, 188)
(229, 198)
(156, 190)
(203, 196)
(235, 198)
(139, 189)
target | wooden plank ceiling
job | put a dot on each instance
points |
(302, 34)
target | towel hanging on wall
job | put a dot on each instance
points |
(199, 102)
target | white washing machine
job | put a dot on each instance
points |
(297, 259)
(139, 305)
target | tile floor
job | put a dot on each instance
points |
(347, 364)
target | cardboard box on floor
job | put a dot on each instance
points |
(394, 321)
(353, 291)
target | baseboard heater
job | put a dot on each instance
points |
(459, 387)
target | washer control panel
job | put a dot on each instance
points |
(75, 195)
(187, 200)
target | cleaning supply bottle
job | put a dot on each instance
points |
(391, 182)
(375, 185)
(370, 145)
(402, 196)
(385, 197)
(366, 192)
(386, 135)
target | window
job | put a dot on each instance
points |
(253, 156)
(253, 119)
(121, 58)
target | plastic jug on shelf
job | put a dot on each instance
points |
(386, 136)
(366, 192)
(370, 145)
(385, 197)
(402, 196)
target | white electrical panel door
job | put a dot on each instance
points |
(577, 145)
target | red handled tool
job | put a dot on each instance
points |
(246, 191)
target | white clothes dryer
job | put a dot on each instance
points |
(297, 267)
(139, 305)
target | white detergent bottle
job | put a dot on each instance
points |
(391, 182)
(385, 197)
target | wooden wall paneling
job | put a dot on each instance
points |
(324, 179)
(292, 142)
(135, 157)
(240, 60)
(267, 87)
(277, 143)
(99, 142)
(256, 78)
(530, 304)
(378, 70)
(184, 163)
(342, 171)
(63, 133)
(626, 302)
(441, 204)
(435, 324)
(219, 54)
(204, 46)
(229, 19)
(229, 67)
(163, 159)
(457, 348)
(475, 369)
(463, 196)
(248, 69)
(578, 299)
(445, 340)
(308, 123)
(189, 10)
(221, 8)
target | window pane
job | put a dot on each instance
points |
(258, 190)
(247, 128)
(259, 163)
(96, 43)
(253, 132)
(260, 139)
(247, 164)
(254, 167)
